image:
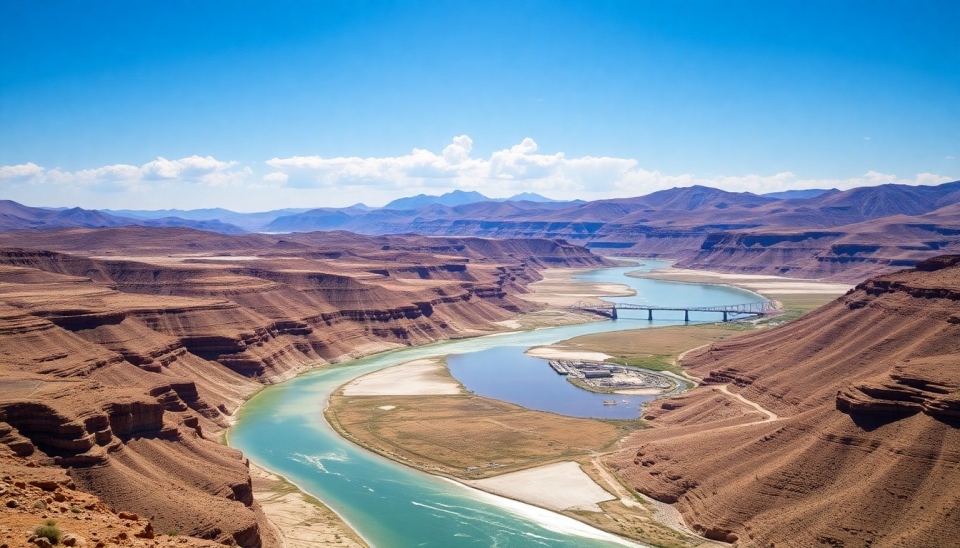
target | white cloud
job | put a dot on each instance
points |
(518, 167)
(192, 168)
(22, 173)
(276, 178)
(207, 171)
(522, 167)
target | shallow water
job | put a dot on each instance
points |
(282, 428)
(505, 373)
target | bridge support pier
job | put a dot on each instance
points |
(613, 314)
(650, 315)
(724, 316)
(686, 315)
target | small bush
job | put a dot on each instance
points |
(48, 530)
(173, 532)
(41, 505)
(75, 509)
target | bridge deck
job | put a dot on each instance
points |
(610, 309)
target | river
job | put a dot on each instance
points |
(282, 429)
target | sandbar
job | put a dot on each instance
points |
(559, 486)
(566, 353)
(417, 378)
(759, 283)
(558, 288)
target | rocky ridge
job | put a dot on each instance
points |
(124, 351)
(863, 449)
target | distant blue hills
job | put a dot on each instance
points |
(699, 208)
(460, 197)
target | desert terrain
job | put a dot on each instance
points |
(540, 458)
(851, 436)
(843, 236)
(125, 350)
(833, 428)
(514, 274)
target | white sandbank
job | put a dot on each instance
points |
(559, 486)
(416, 378)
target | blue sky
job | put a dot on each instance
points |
(296, 104)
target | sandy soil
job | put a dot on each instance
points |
(558, 289)
(641, 391)
(559, 486)
(662, 512)
(762, 284)
(465, 436)
(562, 353)
(771, 416)
(301, 520)
(510, 324)
(416, 378)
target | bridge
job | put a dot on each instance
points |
(609, 310)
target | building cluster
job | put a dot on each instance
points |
(605, 376)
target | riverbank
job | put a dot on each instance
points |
(621, 516)
(558, 292)
(467, 437)
(796, 295)
(662, 348)
(280, 499)
(534, 457)
(300, 520)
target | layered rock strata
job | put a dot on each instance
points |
(124, 351)
(864, 449)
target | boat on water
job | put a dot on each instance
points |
(609, 402)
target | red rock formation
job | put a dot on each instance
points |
(866, 449)
(115, 368)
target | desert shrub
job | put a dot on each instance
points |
(41, 505)
(49, 531)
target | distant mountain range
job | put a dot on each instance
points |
(460, 197)
(804, 233)
(15, 217)
(791, 194)
(246, 222)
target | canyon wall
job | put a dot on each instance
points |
(123, 352)
(864, 445)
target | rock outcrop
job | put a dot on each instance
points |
(124, 351)
(865, 449)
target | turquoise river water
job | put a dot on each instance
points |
(282, 429)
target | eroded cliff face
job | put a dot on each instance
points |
(864, 449)
(33, 494)
(848, 256)
(120, 365)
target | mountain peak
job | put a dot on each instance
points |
(451, 199)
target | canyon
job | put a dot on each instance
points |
(126, 350)
(842, 236)
(840, 428)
